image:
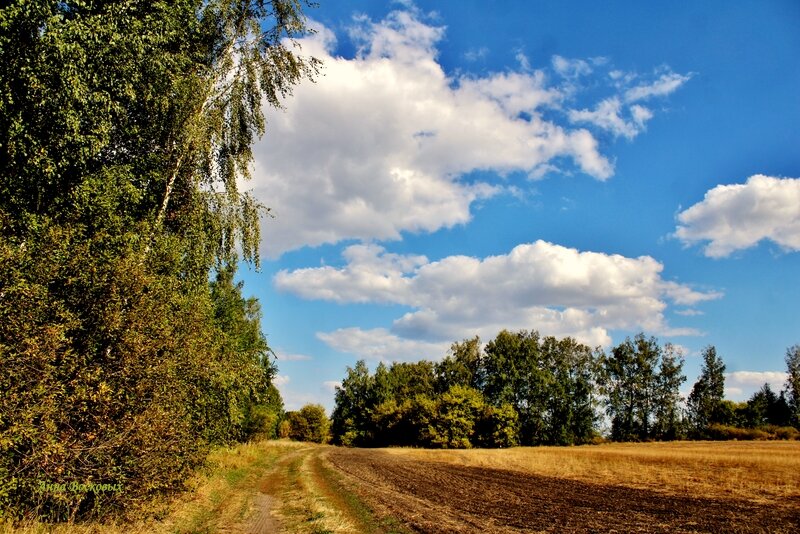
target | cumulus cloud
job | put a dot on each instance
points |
(554, 289)
(730, 392)
(755, 379)
(295, 396)
(735, 217)
(382, 345)
(280, 380)
(377, 146)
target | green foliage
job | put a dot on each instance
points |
(310, 424)
(704, 404)
(667, 406)
(498, 427)
(452, 418)
(766, 408)
(351, 420)
(514, 374)
(572, 391)
(126, 127)
(91, 353)
(461, 367)
(543, 386)
(532, 390)
(395, 423)
(408, 380)
(548, 381)
(733, 413)
(630, 380)
(263, 417)
(116, 373)
(121, 113)
(793, 384)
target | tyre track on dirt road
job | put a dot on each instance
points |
(266, 502)
(435, 497)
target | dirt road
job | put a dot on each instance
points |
(434, 497)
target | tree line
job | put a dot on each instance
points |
(525, 389)
(127, 350)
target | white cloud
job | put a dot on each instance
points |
(289, 357)
(666, 83)
(571, 68)
(556, 290)
(280, 380)
(734, 217)
(740, 382)
(381, 345)
(733, 393)
(607, 115)
(370, 276)
(640, 115)
(474, 54)
(689, 312)
(681, 350)
(619, 114)
(377, 145)
(331, 385)
(295, 396)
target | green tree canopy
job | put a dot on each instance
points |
(310, 424)
(126, 127)
(141, 115)
(641, 382)
(793, 383)
(705, 400)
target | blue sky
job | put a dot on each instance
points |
(578, 168)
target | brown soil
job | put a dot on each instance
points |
(435, 497)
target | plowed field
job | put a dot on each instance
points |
(438, 497)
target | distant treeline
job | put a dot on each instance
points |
(524, 389)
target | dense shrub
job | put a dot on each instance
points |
(450, 421)
(498, 427)
(310, 424)
(725, 432)
(115, 372)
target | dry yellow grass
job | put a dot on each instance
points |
(759, 471)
